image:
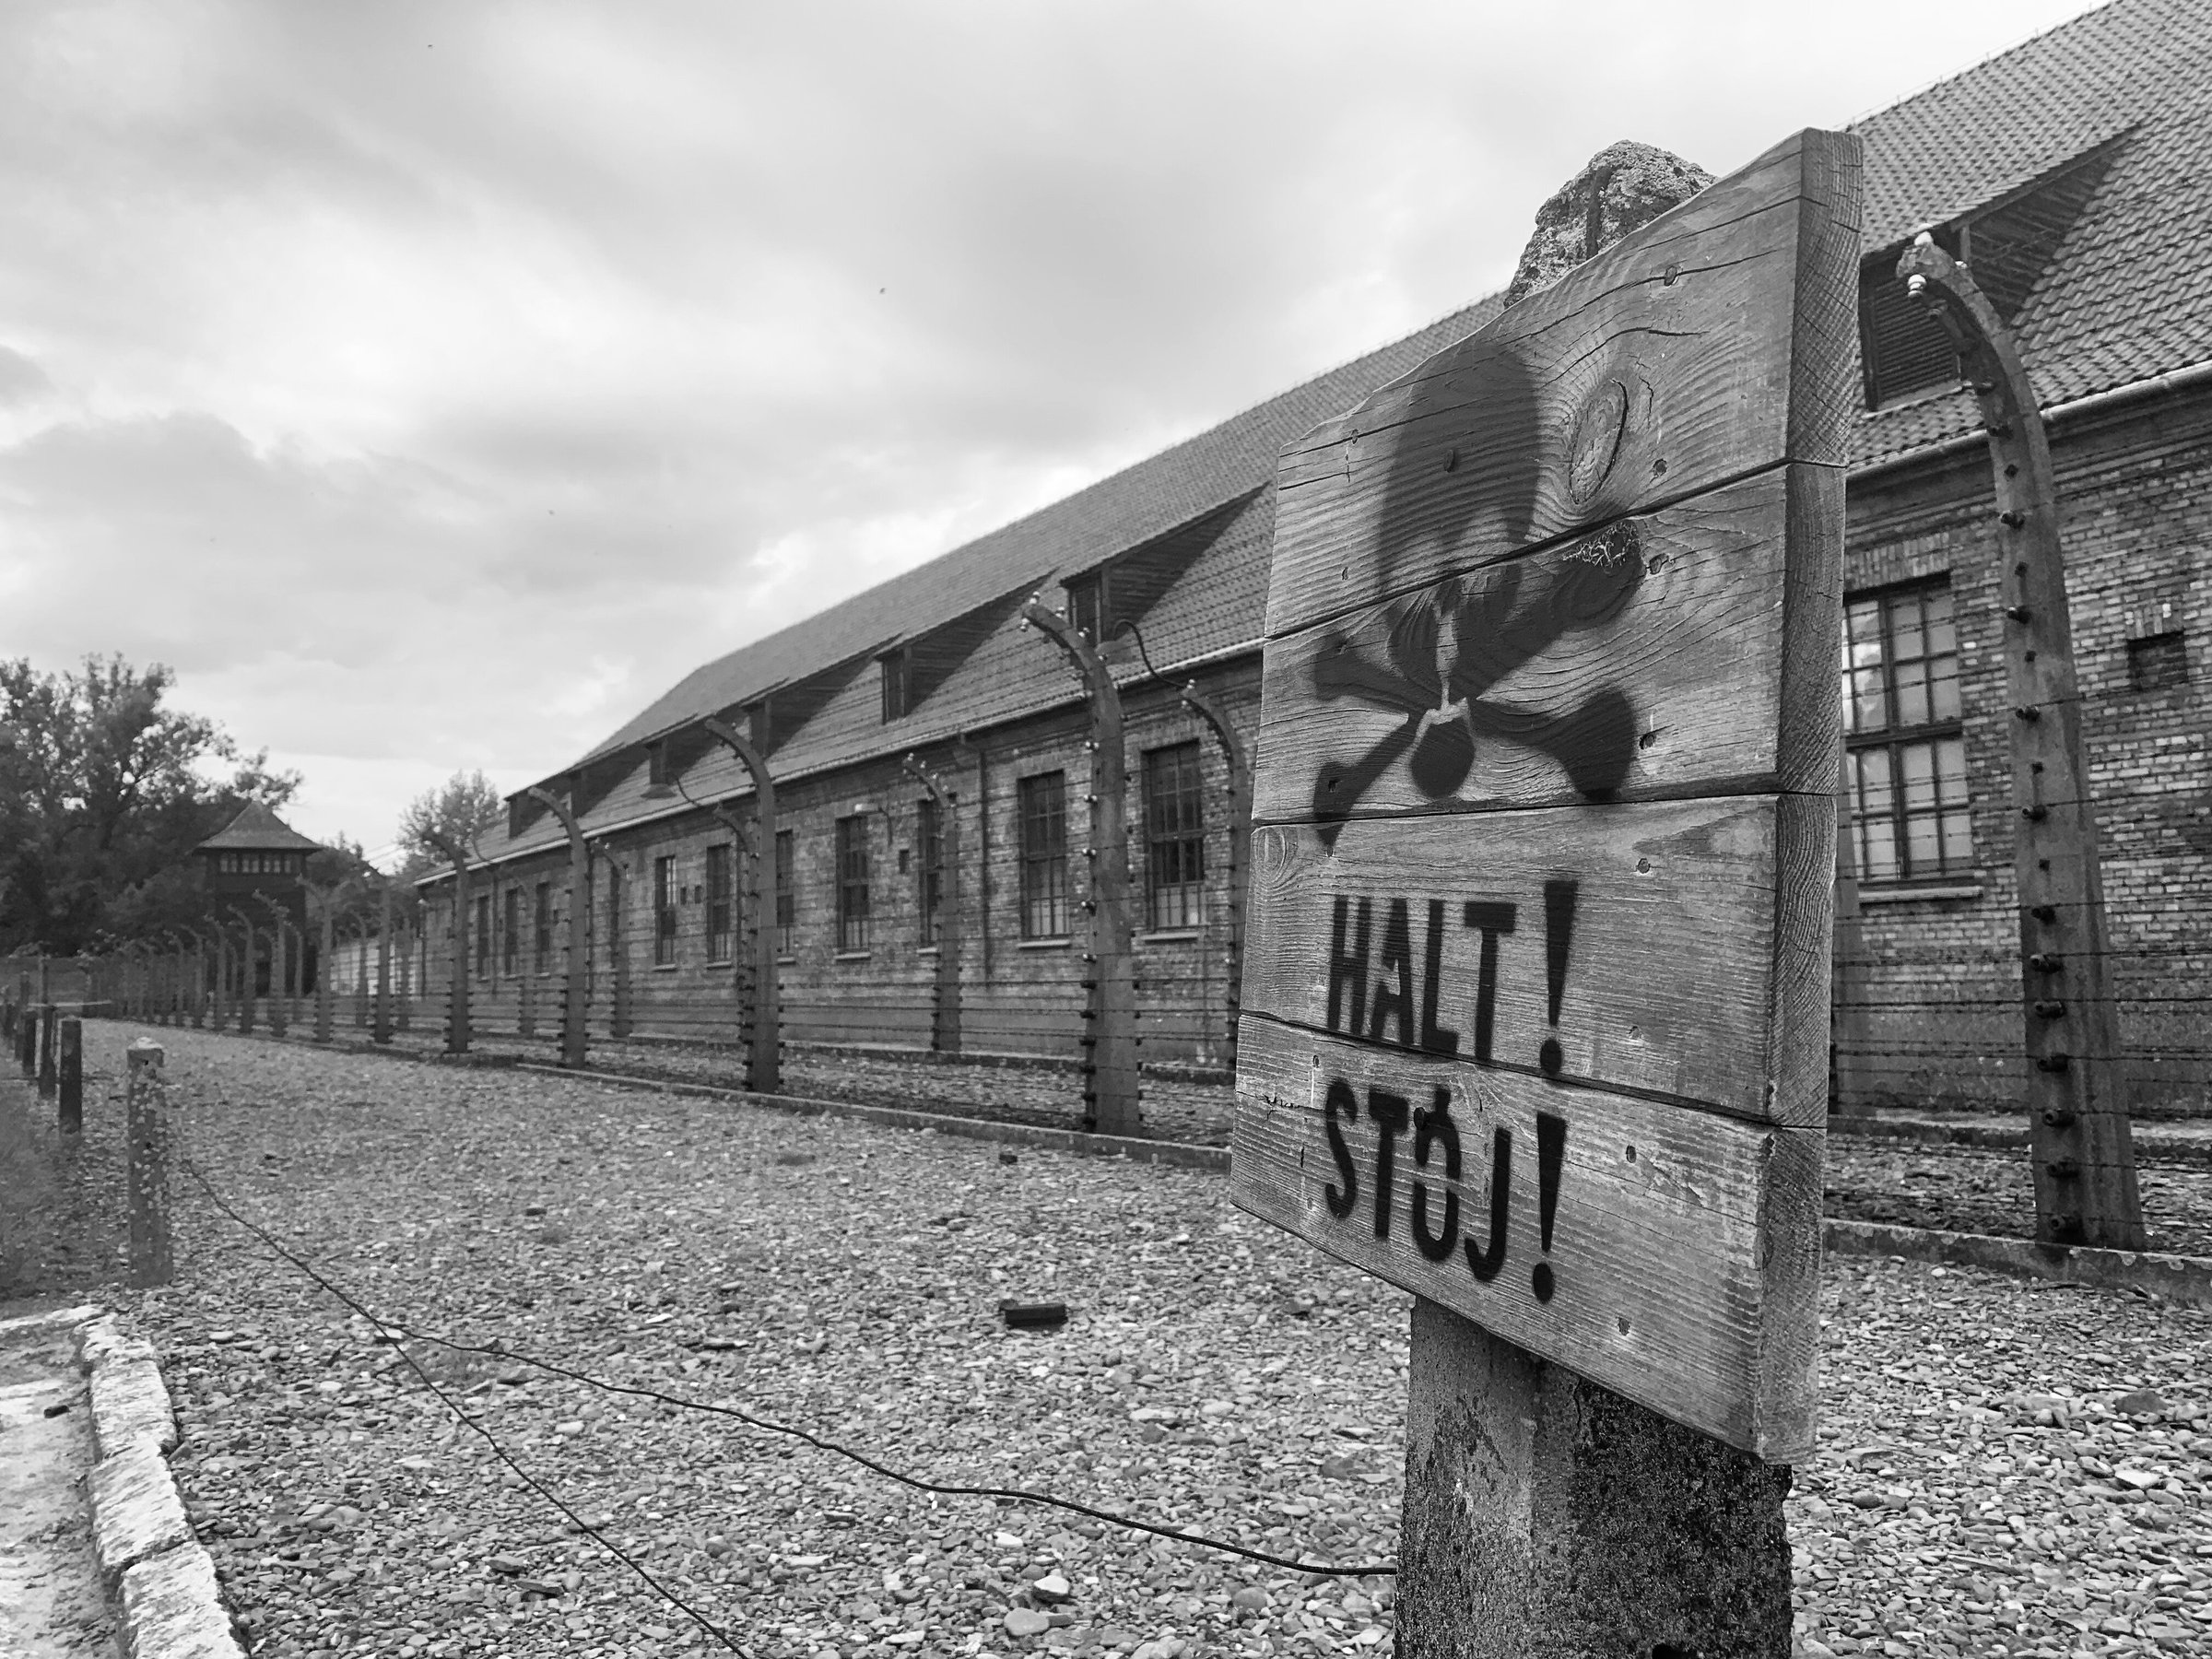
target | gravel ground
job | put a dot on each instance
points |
(1994, 1477)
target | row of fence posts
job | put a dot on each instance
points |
(166, 982)
(50, 1049)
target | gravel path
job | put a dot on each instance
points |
(1983, 1486)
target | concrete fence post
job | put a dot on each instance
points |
(146, 1113)
(49, 1072)
(70, 1114)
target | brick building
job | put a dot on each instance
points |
(2061, 173)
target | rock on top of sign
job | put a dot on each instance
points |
(1624, 188)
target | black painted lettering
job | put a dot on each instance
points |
(1348, 969)
(1345, 1191)
(1435, 1038)
(1493, 919)
(1392, 1112)
(1551, 1158)
(1559, 930)
(1432, 1128)
(1394, 1002)
(1484, 1263)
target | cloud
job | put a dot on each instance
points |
(433, 384)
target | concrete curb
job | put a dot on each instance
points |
(173, 1607)
(2184, 1279)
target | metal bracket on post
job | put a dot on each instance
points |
(764, 1042)
(573, 1005)
(1240, 846)
(945, 923)
(2080, 1141)
(1111, 1103)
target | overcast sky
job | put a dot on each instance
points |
(433, 385)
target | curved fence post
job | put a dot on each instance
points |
(764, 1037)
(943, 864)
(1111, 1092)
(2080, 1141)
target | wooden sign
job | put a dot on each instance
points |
(1535, 997)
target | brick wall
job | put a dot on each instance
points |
(2136, 494)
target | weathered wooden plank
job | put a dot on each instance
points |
(1633, 946)
(1652, 658)
(1672, 1256)
(1696, 352)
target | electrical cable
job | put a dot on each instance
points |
(938, 1488)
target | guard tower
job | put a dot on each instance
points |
(257, 854)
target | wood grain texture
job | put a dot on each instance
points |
(1699, 350)
(1678, 982)
(1684, 1252)
(1671, 654)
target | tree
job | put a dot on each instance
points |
(102, 798)
(455, 814)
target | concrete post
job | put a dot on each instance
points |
(764, 1042)
(71, 1112)
(146, 1108)
(1112, 1092)
(944, 931)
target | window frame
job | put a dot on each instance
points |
(482, 951)
(663, 910)
(895, 670)
(1042, 843)
(849, 878)
(719, 918)
(1086, 593)
(1939, 735)
(1175, 836)
(542, 928)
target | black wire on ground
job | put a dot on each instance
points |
(1010, 1494)
(574, 1520)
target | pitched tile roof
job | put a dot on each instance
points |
(257, 829)
(2126, 294)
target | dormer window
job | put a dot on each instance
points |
(756, 724)
(1086, 604)
(1903, 351)
(656, 765)
(896, 684)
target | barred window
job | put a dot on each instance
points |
(1044, 857)
(663, 910)
(483, 934)
(543, 928)
(787, 898)
(718, 902)
(1907, 756)
(1174, 836)
(511, 930)
(853, 882)
(929, 838)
